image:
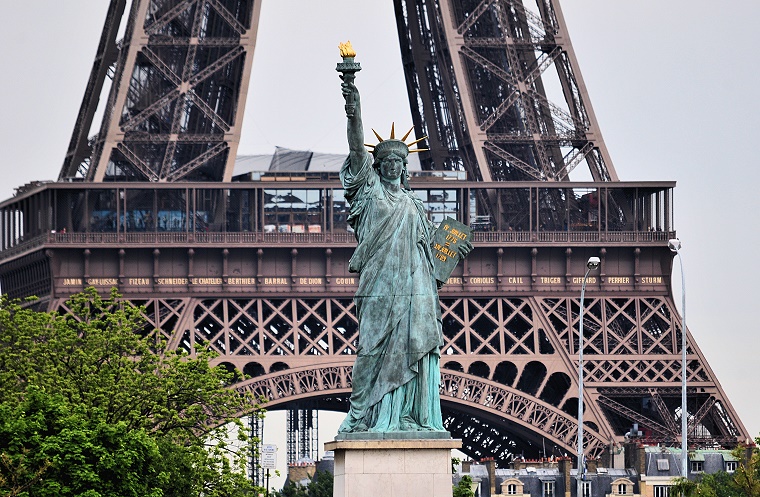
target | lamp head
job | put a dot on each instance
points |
(674, 244)
(593, 263)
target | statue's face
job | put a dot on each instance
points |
(391, 167)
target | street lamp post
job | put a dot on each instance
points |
(593, 263)
(674, 245)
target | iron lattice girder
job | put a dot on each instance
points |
(700, 415)
(633, 415)
(664, 412)
(180, 77)
(521, 128)
(80, 148)
(530, 417)
(509, 358)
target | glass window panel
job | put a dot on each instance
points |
(102, 207)
(70, 211)
(619, 208)
(583, 206)
(240, 214)
(171, 210)
(339, 210)
(552, 209)
(293, 211)
(139, 206)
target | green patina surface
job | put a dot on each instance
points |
(396, 376)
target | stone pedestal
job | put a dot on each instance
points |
(393, 468)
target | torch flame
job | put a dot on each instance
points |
(346, 50)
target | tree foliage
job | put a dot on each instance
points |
(464, 487)
(91, 404)
(321, 485)
(745, 481)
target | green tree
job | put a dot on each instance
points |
(747, 475)
(77, 455)
(464, 487)
(105, 383)
(321, 485)
(683, 487)
(745, 481)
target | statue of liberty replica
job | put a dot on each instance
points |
(396, 376)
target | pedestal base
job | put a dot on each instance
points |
(393, 468)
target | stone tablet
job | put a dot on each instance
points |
(445, 254)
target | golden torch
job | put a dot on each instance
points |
(348, 69)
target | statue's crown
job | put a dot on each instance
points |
(392, 145)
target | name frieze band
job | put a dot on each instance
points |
(350, 281)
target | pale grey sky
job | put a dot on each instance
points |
(674, 85)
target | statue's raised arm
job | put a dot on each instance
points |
(354, 126)
(355, 129)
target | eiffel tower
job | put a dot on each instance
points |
(152, 205)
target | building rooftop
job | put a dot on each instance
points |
(285, 160)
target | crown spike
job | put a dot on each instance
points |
(417, 150)
(369, 145)
(416, 141)
(380, 138)
(393, 131)
(407, 134)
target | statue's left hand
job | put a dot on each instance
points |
(464, 248)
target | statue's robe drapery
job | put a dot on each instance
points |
(396, 375)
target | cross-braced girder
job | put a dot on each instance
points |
(498, 90)
(508, 362)
(179, 82)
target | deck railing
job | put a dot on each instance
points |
(339, 238)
